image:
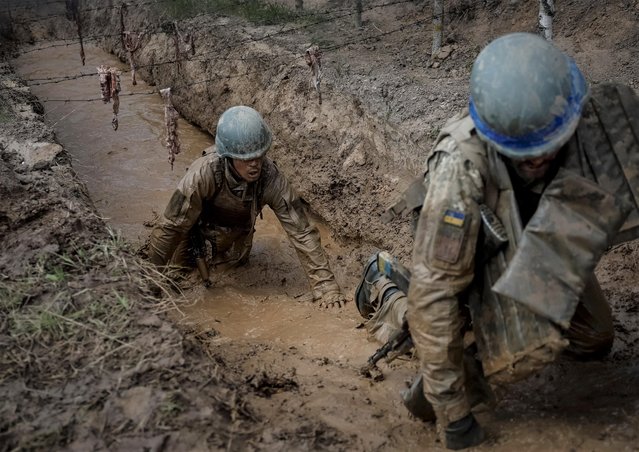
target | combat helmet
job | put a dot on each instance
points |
(526, 96)
(242, 134)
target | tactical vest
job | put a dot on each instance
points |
(532, 286)
(228, 210)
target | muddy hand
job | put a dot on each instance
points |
(332, 299)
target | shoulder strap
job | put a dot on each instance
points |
(218, 172)
(411, 199)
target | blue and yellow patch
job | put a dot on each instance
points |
(453, 217)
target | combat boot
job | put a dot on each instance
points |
(367, 305)
(466, 432)
(416, 403)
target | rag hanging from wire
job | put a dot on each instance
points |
(171, 122)
(184, 45)
(110, 89)
(132, 43)
(314, 60)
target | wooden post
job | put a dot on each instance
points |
(122, 10)
(546, 14)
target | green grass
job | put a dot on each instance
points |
(171, 405)
(46, 304)
(5, 117)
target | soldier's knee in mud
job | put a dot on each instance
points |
(590, 349)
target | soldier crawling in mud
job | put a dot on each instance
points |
(523, 194)
(220, 197)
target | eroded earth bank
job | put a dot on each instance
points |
(101, 352)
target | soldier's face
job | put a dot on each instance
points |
(532, 169)
(249, 170)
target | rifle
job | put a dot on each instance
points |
(398, 344)
(198, 248)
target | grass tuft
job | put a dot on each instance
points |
(84, 296)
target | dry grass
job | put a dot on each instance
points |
(82, 299)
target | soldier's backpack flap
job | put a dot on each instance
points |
(573, 225)
(412, 198)
(607, 149)
(512, 340)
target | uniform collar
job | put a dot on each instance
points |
(235, 180)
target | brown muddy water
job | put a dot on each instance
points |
(129, 179)
(126, 171)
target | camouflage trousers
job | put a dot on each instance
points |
(390, 310)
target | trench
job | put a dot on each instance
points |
(261, 304)
(130, 181)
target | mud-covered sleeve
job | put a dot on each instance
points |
(182, 211)
(280, 196)
(445, 241)
(443, 266)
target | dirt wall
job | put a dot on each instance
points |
(384, 96)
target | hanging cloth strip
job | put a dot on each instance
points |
(184, 46)
(110, 87)
(185, 42)
(314, 60)
(170, 121)
(132, 42)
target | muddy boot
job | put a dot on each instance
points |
(415, 401)
(365, 305)
(464, 433)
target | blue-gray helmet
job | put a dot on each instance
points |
(526, 96)
(242, 134)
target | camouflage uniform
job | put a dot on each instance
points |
(562, 307)
(212, 197)
(446, 252)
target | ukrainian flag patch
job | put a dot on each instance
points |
(453, 217)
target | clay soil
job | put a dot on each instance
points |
(94, 355)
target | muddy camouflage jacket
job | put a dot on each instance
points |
(204, 181)
(543, 269)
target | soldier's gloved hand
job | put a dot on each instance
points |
(331, 298)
